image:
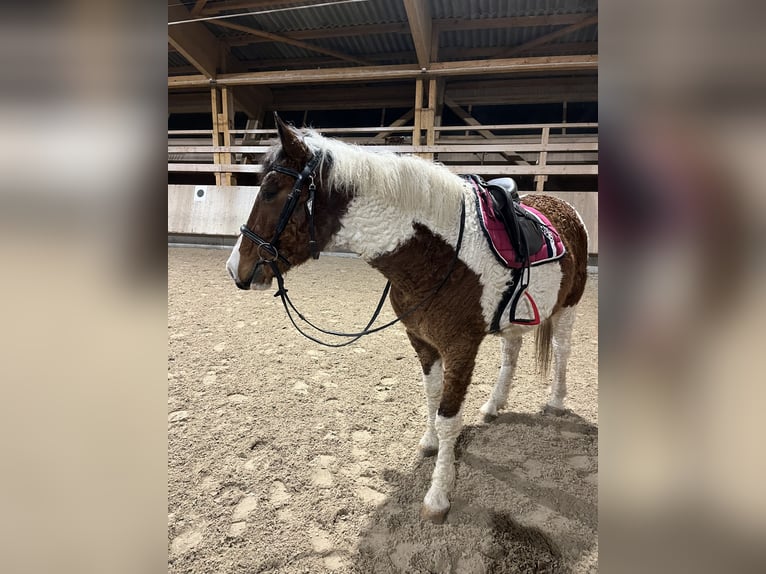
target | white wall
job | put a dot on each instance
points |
(220, 211)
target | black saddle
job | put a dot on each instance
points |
(524, 232)
(506, 183)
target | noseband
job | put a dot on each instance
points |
(268, 250)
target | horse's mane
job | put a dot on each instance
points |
(427, 190)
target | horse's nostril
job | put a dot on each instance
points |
(243, 286)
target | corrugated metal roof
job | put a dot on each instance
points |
(509, 37)
(377, 47)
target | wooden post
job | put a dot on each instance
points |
(214, 102)
(430, 116)
(418, 112)
(541, 179)
(226, 124)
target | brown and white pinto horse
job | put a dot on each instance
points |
(402, 215)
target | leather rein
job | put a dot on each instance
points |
(269, 254)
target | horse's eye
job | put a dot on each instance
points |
(268, 194)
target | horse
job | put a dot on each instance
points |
(416, 223)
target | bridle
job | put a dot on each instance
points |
(270, 248)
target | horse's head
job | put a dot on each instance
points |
(279, 231)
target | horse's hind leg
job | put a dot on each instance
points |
(563, 322)
(449, 420)
(433, 379)
(510, 355)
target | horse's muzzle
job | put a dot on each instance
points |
(258, 281)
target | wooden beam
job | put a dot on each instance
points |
(418, 123)
(419, 17)
(515, 65)
(195, 42)
(561, 64)
(542, 159)
(429, 116)
(290, 41)
(546, 38)
(227, 124)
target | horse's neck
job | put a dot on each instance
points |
(375, 225)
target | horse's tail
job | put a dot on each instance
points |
(544, 346)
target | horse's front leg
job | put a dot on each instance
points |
(449, 420)
(433, 379)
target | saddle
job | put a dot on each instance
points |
(518, 235)
(523, 231)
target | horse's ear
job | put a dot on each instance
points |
(291, 140)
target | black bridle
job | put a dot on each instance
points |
(271, 249)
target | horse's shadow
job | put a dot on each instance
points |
(524, 501)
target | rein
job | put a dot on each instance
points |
(288, 304)
(272, 255)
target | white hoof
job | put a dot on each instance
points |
(488, 409)
(429, 444)
(435, 506)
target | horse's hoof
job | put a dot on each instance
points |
(555, 411)
(434, 516)
(428, 451)
(488, 418)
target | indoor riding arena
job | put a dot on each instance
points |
(286, 456)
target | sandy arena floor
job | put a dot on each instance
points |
(284, 456)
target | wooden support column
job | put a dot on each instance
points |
(227, 122)
(418, 112)
(541, 179)
(222, 104)
(424, 117)
(429, 115)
